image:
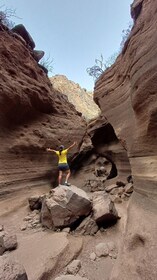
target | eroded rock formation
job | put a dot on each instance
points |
(33, 116)
(102, 157)
(126, 94)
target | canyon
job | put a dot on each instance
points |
(115, 157)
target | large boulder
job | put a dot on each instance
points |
(64, 206)
(11, 269)
(104, 211)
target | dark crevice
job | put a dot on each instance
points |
(104, 135)
(106, 221)
(76, 224)
(113, 172)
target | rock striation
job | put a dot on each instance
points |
(126, 94)
(33, 116)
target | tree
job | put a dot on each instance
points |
(96, 70)
(47, 63)
(125, 35)
(5, 16)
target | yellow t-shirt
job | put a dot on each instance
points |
(62, 157)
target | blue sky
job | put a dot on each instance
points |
(74, 32)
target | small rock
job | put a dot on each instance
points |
(23, 227)
(36, 211)
(110, 188)
(67, 230)
(1, 227)
(113, 255)
(2, 233)
(27, 218)
(35, 202)
(87, 227)
(93, 256)
(10, 242)
(111, 246)
(129, 188)
(74, 267)
(101, 250)
(120, 184)
(119, 191)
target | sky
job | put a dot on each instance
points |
(73, 33)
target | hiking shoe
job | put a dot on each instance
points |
(67, 184)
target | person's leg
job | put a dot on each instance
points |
(60, 177)
(67, 176)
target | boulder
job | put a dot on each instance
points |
(8, 242)
(104, 211)
(11, 269)
(64, 206)
(38, 54)
(21, 30)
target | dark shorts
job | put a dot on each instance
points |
(63, 166)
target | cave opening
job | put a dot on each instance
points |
(104, 135)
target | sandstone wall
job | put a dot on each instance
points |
(33, 116)
(127, 96)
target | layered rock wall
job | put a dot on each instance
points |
(127, 96)
(33, 116)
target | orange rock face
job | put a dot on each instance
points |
(127, 96)
(33, 116)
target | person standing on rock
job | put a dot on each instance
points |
(62, 162)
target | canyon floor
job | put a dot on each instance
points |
(45, 254)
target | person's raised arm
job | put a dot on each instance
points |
(72, 146)
(50, 150)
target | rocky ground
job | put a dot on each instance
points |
(46, 254)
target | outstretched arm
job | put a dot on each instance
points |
(72, 146)
(50, 150)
